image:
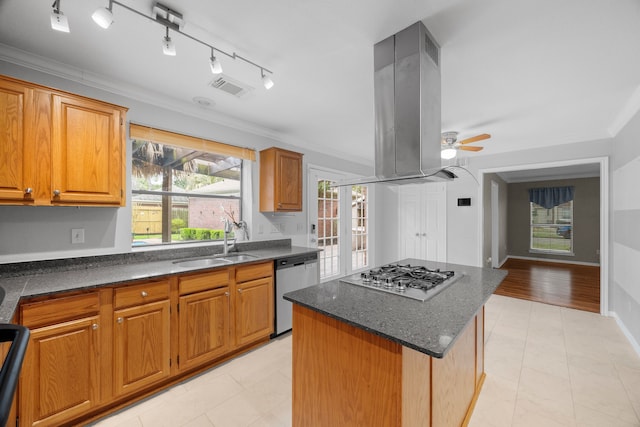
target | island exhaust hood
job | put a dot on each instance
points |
(407, 109)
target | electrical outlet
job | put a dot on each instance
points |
(77, 235)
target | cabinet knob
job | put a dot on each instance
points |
(94, 326)
(120, 320)
(240, 291)
(28, 190)
(226, 294)
(144, 293)
(56, 193)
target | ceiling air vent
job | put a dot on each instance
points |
(231, 86)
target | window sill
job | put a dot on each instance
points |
(550, 252)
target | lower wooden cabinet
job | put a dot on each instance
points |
(253, 312)
(141, 346)
(60, 375)
(92, 351)
(204, 327)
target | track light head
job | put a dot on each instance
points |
(266, 80)
(103, 16)
(59, 22)
(168, 46)
(216, 67)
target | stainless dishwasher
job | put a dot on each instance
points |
(292, 273)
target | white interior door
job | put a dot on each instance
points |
(495, 223)
(423, 221)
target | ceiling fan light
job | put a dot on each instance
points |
(448, 153)
(103, 17)
(59, 22)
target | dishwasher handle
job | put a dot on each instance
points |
(19, 337)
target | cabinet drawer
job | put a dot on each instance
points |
(254, 271)
(58, 310)
(203, 281)
(141, 294)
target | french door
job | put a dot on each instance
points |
(339, 223)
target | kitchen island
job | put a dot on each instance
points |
(365, 357)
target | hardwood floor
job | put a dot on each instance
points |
(566, 285)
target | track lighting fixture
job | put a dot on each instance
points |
(168, 46)
(266, 80)
(216, 67)
(103, 16)
(59, 22)
(168, 18)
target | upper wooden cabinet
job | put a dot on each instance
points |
(280, 180)
(59, 149)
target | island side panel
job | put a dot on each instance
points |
(416, 388)
(454, 380)
(342, 375)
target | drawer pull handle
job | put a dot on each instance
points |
(144, 293)
(120, 320)
(94, 326)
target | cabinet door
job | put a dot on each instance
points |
(60, 375)
(87, 152)
(253, 310)
(141, 346)
(288, 191)
(204, 327)
(25, 147)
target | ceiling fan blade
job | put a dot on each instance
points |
(470, 148)
(475, 138)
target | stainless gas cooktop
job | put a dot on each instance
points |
(417, 282)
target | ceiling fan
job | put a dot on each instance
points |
(450, 144)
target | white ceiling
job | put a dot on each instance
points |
(530, 73)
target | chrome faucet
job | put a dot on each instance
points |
(226, 228)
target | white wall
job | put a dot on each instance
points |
(624, 282)
(34, 233)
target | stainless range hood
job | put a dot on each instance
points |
(407, 109)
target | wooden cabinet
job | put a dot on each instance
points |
(254, 303)
(58, 148)
(141, 341)
(60, 375)
(280, 180)
(91, 352)
(204, 323)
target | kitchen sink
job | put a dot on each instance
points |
(238, 257)
(202, 262)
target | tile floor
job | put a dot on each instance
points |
(545, 366)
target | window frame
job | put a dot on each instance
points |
(532, 249)
(177, 140)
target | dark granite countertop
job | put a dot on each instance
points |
(24, 280)
(430, 327)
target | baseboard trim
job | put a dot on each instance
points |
(559, 261)
(626, 332)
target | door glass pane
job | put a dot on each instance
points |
(328, 228)
(359, 227)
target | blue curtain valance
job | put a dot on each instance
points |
(550, 196)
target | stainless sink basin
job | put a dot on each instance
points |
(202, 262)
(238, 257)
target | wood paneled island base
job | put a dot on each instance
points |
(346, 376)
